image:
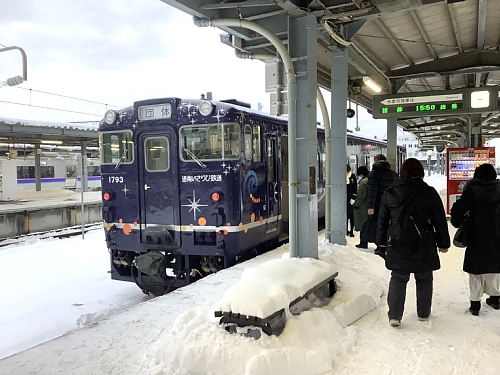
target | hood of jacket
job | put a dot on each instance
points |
(488, 191)
(406, 187)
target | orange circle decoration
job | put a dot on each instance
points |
(202, 221)
(183, 227)
(252, 218)
(246, 229)
(261, 219)
(127, 229)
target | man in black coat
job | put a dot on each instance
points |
(412, 227)
(379, 179)
(481, 199)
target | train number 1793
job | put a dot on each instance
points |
(115, 179)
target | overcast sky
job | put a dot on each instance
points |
(117, 52)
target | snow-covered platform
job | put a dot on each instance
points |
(178, 331)
(38, 211)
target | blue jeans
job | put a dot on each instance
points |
(397, 294)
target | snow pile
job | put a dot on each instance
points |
(310, 342)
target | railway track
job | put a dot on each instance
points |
(54, 233)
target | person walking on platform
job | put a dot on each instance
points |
(411, 229)
(379, 179)
(352, 189)
(479, 207)
(359, 205)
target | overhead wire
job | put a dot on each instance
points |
(54, 109)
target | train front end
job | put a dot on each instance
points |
(171, 192)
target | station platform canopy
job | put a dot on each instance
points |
(406, 47)
(19, 132)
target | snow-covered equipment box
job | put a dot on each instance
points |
(264, 294)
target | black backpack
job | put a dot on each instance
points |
(409, 229)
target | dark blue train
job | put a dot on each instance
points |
(191, 187)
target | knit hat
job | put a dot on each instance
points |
(485, 172)
(363, 170)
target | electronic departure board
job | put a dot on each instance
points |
(435, 103)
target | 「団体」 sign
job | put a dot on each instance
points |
(436, 103)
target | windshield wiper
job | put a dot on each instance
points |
(193, 156)
(121, 159)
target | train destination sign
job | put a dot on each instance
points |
(435, 103)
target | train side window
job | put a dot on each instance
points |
(256, 144)
(47, 171)
(248, 142)
(116, 147)
(157, 154)
(231, 141)
(94, 170)
(271, 162)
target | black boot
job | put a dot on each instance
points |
(362, 245)
(494, 301)
(351, 233)
(474, 308)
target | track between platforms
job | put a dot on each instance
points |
(54, 233)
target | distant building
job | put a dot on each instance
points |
(414, 148)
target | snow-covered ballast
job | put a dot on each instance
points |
(265, 294)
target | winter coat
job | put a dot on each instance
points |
(430, 216)
(482, 199)
(359, 205)
(351, 193)
(379, 179)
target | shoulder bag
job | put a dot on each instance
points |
(460, 238)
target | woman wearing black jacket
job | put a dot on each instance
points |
(481, 197)
(411, 227)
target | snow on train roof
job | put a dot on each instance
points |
(85, 125)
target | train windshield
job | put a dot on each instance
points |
(116, 147)
(210, 142)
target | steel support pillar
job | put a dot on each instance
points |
(338, 144)
(302, 47)
(392, 143)
(38, 168)
(84, 171)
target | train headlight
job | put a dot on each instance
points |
(206, 108)
(106, 196)
(110, 117)
(216, 197)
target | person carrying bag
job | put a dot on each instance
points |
(480, 202)
(412, 228)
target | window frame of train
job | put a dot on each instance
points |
(125, 154)
(159, 147)
(218, 140)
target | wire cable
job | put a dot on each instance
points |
(54, 109)
(68, 97)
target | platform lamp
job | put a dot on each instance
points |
(17, 80)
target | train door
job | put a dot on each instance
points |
(273, 184)
(159, 188)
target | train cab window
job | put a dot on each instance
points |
(157, 154)
(71, 171)
(256, 144)
(46, 171)
(116, 147)
(211, 142)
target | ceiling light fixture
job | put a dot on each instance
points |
(371, 84)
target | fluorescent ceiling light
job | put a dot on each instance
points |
(480, 99)
(371, 84)
(51, 142)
